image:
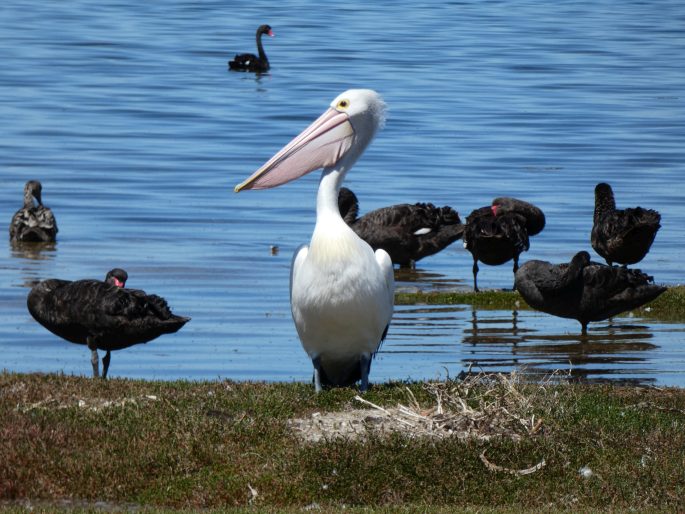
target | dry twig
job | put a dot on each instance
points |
(517, 472)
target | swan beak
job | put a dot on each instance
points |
(320, 145)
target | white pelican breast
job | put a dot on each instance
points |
(341, 291)
(341, 299)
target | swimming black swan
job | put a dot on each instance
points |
(407, 232)
(101, 315)
(498, 233)
(33, 223)
(621, 235)
(251, 62)
(584, 290)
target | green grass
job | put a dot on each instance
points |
(183, 445)
(486, 299)
(670, 306)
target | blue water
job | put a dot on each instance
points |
(128, 116)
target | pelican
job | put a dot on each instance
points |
(341, 291)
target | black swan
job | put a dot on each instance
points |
(101, 315)
(623, 236)
(498, 233)
(33, 223)
(252, 62)
(584, 290)
(407, 232)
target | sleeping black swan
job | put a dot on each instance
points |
(252, 62)
(407, 232)
(621, 235)
(33, 223)
(101, 315)
(498, 233)
(584, 290)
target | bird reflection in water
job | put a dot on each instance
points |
(494, 330)
(617, 351)
(31, 256)
(33, 251)
(417, 280)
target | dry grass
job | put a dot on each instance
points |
(480, 407)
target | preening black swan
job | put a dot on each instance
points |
(407, 232)
(33, 223)
(252, 62)
(584, 290)
(500, 232)
(101, 315)
(621, 235)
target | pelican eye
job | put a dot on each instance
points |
(343, 104)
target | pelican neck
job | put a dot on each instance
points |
(327, 195)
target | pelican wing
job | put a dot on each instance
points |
(385, 263)
(298, 258)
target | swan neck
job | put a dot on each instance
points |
(29, 199)
(260, 48)
(604, 203)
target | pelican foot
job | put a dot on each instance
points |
(365, 367)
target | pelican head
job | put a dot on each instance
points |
(337, 138)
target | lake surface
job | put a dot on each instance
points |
(129, 117)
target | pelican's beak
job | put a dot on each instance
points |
(320, 145)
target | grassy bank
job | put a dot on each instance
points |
(497, 445)
(670, 306)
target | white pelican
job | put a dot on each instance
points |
(341, 292)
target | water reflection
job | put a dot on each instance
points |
(30, 259)
(498, 330)
(33, 251)
(419, 280)
(533, 343)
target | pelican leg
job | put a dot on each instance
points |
(316, 361)
(365, 367)
(105, 363)
(475, 275)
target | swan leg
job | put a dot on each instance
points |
(516, 268)
(316, 361)
(95, 361)
(365, 367)
(105, 363)
(475, 275)
(583, 330)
